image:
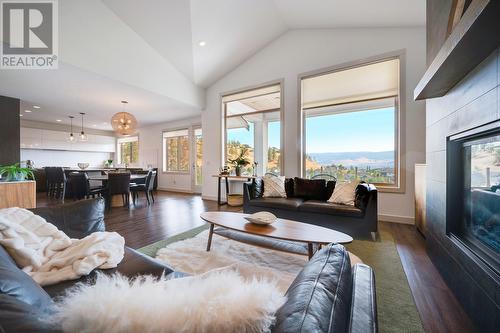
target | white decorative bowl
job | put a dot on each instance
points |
(261, 218)
(83, 166)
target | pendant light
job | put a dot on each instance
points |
(83, 136)
(123, 122)
(71, 136)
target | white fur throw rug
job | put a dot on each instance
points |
(216, 302)
(190, 256)
(48, 255)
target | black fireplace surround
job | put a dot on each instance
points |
(473, 194)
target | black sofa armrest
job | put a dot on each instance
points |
(319, 299)
(76, 219)
(364, 302)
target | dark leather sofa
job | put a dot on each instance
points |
(359, 221)
(327, 296)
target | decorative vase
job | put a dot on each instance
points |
(237, 169)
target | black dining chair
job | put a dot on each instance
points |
(56, 182)
(147, 188)
(118, 183)
(80, 186)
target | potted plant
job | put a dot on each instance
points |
(240, 161)
(15, 173)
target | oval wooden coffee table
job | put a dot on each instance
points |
(281, 229)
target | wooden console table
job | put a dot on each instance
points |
(18, 194)
(227, 178)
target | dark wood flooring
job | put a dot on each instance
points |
(173, 213)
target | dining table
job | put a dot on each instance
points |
(105, 177)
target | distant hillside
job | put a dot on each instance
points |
(378, 159)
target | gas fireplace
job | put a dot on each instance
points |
(473, 193)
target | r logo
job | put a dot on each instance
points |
(27, 27)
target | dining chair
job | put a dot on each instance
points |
(147, 188)
(79, 186)
(56, 182)
(118, 183)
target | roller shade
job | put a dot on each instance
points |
(375, 81)
(173, 134)
(251, 93)
(253, 101)
(351, 107)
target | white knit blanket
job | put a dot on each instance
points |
(48, 255)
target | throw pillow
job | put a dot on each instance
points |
(330, 186)
(344, 194)
(274, 187)
(309, 189)
(289, 187)
(219, 301)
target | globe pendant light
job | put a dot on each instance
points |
(71, 136)
(83, 136)
(124, 123)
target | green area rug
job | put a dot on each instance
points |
(396, 308)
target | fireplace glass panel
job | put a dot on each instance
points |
(482, 194)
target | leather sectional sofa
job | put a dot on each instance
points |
(306, 201)
(327, 295)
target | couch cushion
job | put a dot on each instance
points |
(17, 316)
(362, 196)
(313, 189)
(322, 207)
(289, 187)
(76, 219)
(134, 263)
(330, 187)
(319, 298)
(281, 203)
(258, 188)
(16, 283)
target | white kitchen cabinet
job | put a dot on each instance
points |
(34, 138)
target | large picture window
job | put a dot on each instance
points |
(128, 150)
(253, 129)
(176, 151)
(351, 124)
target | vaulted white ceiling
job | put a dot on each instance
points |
(147, 51)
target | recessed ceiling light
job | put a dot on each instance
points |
(94, 125)
(36, 107)
(20, 115)
(27, 111)
(202, 43)
(58, 120)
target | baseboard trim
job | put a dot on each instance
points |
(209, 197)
(396, 219)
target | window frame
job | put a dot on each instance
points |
(119, 141)
(400, 116)
(165, 151)
(223, 107)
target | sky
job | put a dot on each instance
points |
(371, 130)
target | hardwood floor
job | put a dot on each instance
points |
(173, 213)
(438, 308)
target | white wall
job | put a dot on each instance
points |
(150, 153)
(300, 51)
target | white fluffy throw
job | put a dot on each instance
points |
(48, 255)
(215, 302)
